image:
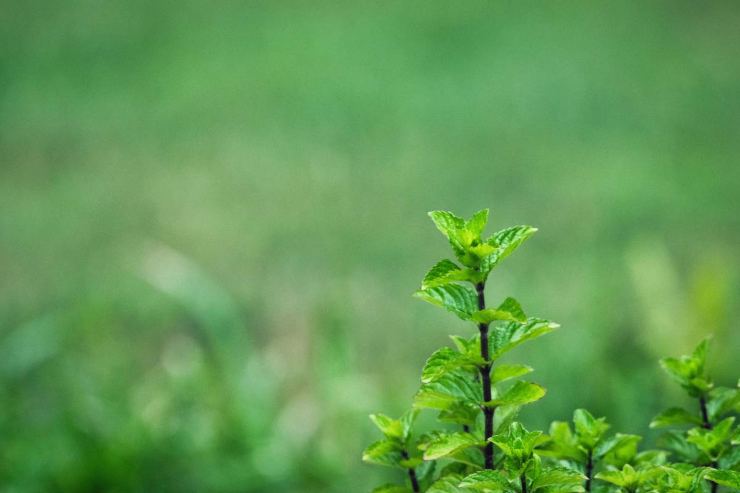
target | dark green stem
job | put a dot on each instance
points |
(523, 481)
(707, 424)
(704, 414)
(412, 474)
(485, 374)
(589, 469)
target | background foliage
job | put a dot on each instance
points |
(212, 217)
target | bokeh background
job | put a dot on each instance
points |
(213, 214)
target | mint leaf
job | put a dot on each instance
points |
(688, 370)
(630, 478)
(448, 444)
(505, 242)
(711, 442)
(446, 484)
(443, 361)
(395, 429)
(589, 429)
(384, 453)
(562, 443)
(620, 445)
(675, 416)
(388, 426)
(560, 480)
(460, 300)
(504, 372)
(461, 413)
(722, 401)
(487, 480)
(447, 222)
(677, 443)
(519, 394)
(509, 310)
(452, 389)
(443, 272)
(453, 227)
(506, 337)
(477, 223)
(723, 477)
(517, 442)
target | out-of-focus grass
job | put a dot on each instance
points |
(212, 215)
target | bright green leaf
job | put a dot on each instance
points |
(505, 242)
(477, 223)
(674, 416)
(620, 445)
(443, 272)
(519, 394)
(448, 444)
(446, 484)
(722, 401)
(722, 477)
(443, 361)
(517, 443)
(509, 310)
(562, 443)
(451, 389)
(487, 480)
(390, 427)
(447, 222)
(588, 429)
(384, 453)
(559, 479)
(676, 442)
(688, 370)
(503, 372)
(506, 337)
(458, 299)
(712, 441)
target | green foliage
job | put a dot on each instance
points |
(631, 479)
(708, 444)
(494, 453)
(728, 478)
(507, 337)
(393, 450)
(458, 299)
(449, 444)
(519, 394)
(688, 370)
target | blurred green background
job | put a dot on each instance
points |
(212, 216)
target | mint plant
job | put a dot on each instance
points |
(712, 437)
(479, 445)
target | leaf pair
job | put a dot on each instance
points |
(391, 451)
(719, 401)
(478, 255)
(521, 464)
(688, 370)
(588, 440)
(447, 360)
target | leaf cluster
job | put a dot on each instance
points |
(476, 399)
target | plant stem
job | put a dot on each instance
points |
(412, 474)
(706, 423)
(485, 373)
(704, 414)
(523, 481)
(589, 469)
